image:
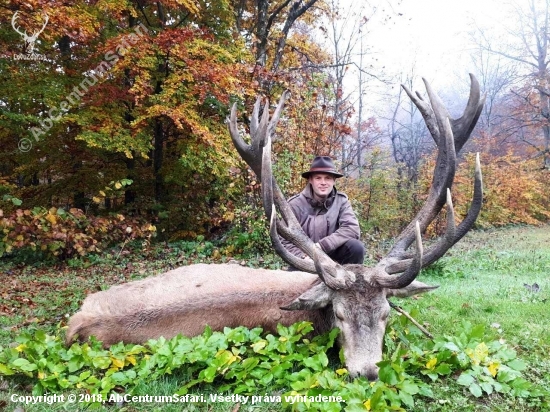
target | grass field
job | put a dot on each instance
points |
(498, 278)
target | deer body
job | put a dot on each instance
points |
(186, 299)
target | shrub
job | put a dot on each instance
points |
(60, 234)
(290, 366)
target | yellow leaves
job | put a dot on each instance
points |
(258, 346)
(21, 347)
(341, 371)
(366, 404)
(493, 367)
(431, 363)
(515, 190)
(189, 5)
(479, 354)
(117, 363)
(131, 359)
(216, 254)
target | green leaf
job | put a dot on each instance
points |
(507, 375)
(475, 389)
(24, 365)
(452, 347)
(487, 387)
(443, 369)
(376, 399)
(407, 399)
(409, 387)
(517, 365)
(387, 374)
(465, 379)
(250, 363)
(209, 374)
(4, 370)
(477, 332)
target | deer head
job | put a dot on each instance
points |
(29, 40)
(357, 295)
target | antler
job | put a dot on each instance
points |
(29, 40)
(13, 20)
(450, 135)
(257, 155)
(43, 26)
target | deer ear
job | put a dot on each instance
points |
(316, 297)
(414, 288)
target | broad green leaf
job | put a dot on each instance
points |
(465, 379)
(475, 389)
(517, 365)
(24, 365)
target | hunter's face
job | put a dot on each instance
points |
(322, 184)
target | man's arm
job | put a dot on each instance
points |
(348, 229)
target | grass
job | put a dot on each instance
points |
(488, 278)
(483, 281)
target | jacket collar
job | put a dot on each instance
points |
(308, 194)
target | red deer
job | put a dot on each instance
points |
(352, 298)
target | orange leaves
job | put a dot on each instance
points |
(58, 233)
(515, 190)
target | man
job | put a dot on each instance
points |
(326, 216)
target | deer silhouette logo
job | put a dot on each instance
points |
(29, 40)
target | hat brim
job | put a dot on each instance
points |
(307, 174)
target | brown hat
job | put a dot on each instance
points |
(322, 164)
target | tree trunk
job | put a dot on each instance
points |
(158, 156)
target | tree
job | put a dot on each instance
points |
(409, 137)
(528, 47)
(139, 91)
(267, 27)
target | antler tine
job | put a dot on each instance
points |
(444, 172)
(452, 233)
(45, 23)
(475, 207)
(411, 272)
(443, 129)
(255, 115)
(13, 20)
(426, 112)
(463, 126)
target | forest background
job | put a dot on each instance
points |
(112, 122)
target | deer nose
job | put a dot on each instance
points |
(369, 372)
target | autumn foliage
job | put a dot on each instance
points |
(60, 234)
(138, 92)
(516, 191)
